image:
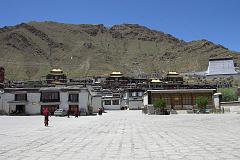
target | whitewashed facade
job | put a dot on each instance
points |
(96, 103)
(221, 66)
(111, 102)
(133, 99)
(30, 100)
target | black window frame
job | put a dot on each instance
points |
(115, 100)
(19, 98)
(108, 100)
(50, 96)
(72, 98)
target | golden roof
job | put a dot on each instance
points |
(173, 73)
(156, 81)
(116, 74)
(56, 71)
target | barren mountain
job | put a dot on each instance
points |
(29, 51)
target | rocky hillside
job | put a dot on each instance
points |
(29, 51)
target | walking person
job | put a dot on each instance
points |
(46, 116)
(68, 113)
(100, 111)
(76, 114)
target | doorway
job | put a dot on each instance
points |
(73, 109)
(20, 109)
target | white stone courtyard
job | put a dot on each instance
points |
(121, 135)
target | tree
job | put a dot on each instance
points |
(202, 102)
(228, 94)
(160, 105)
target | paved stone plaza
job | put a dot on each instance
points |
(121, 135)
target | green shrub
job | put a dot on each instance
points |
(161, 104)
(202, 102)
(228, 94)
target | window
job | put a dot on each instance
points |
(176, 99)
(20, 97)
(73, 97)
(115, 102)
(107, 102)
(194, 100)
(167, 99)
(50, 97)
(140, 94)
(187, 99)
(134, 94)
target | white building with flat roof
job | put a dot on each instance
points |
(31, 101)
(221, 66)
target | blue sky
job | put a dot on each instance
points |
(215, 20)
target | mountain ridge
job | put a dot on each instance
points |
(30, 50)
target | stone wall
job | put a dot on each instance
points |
(232, 107)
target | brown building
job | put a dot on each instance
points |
(179, 99)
